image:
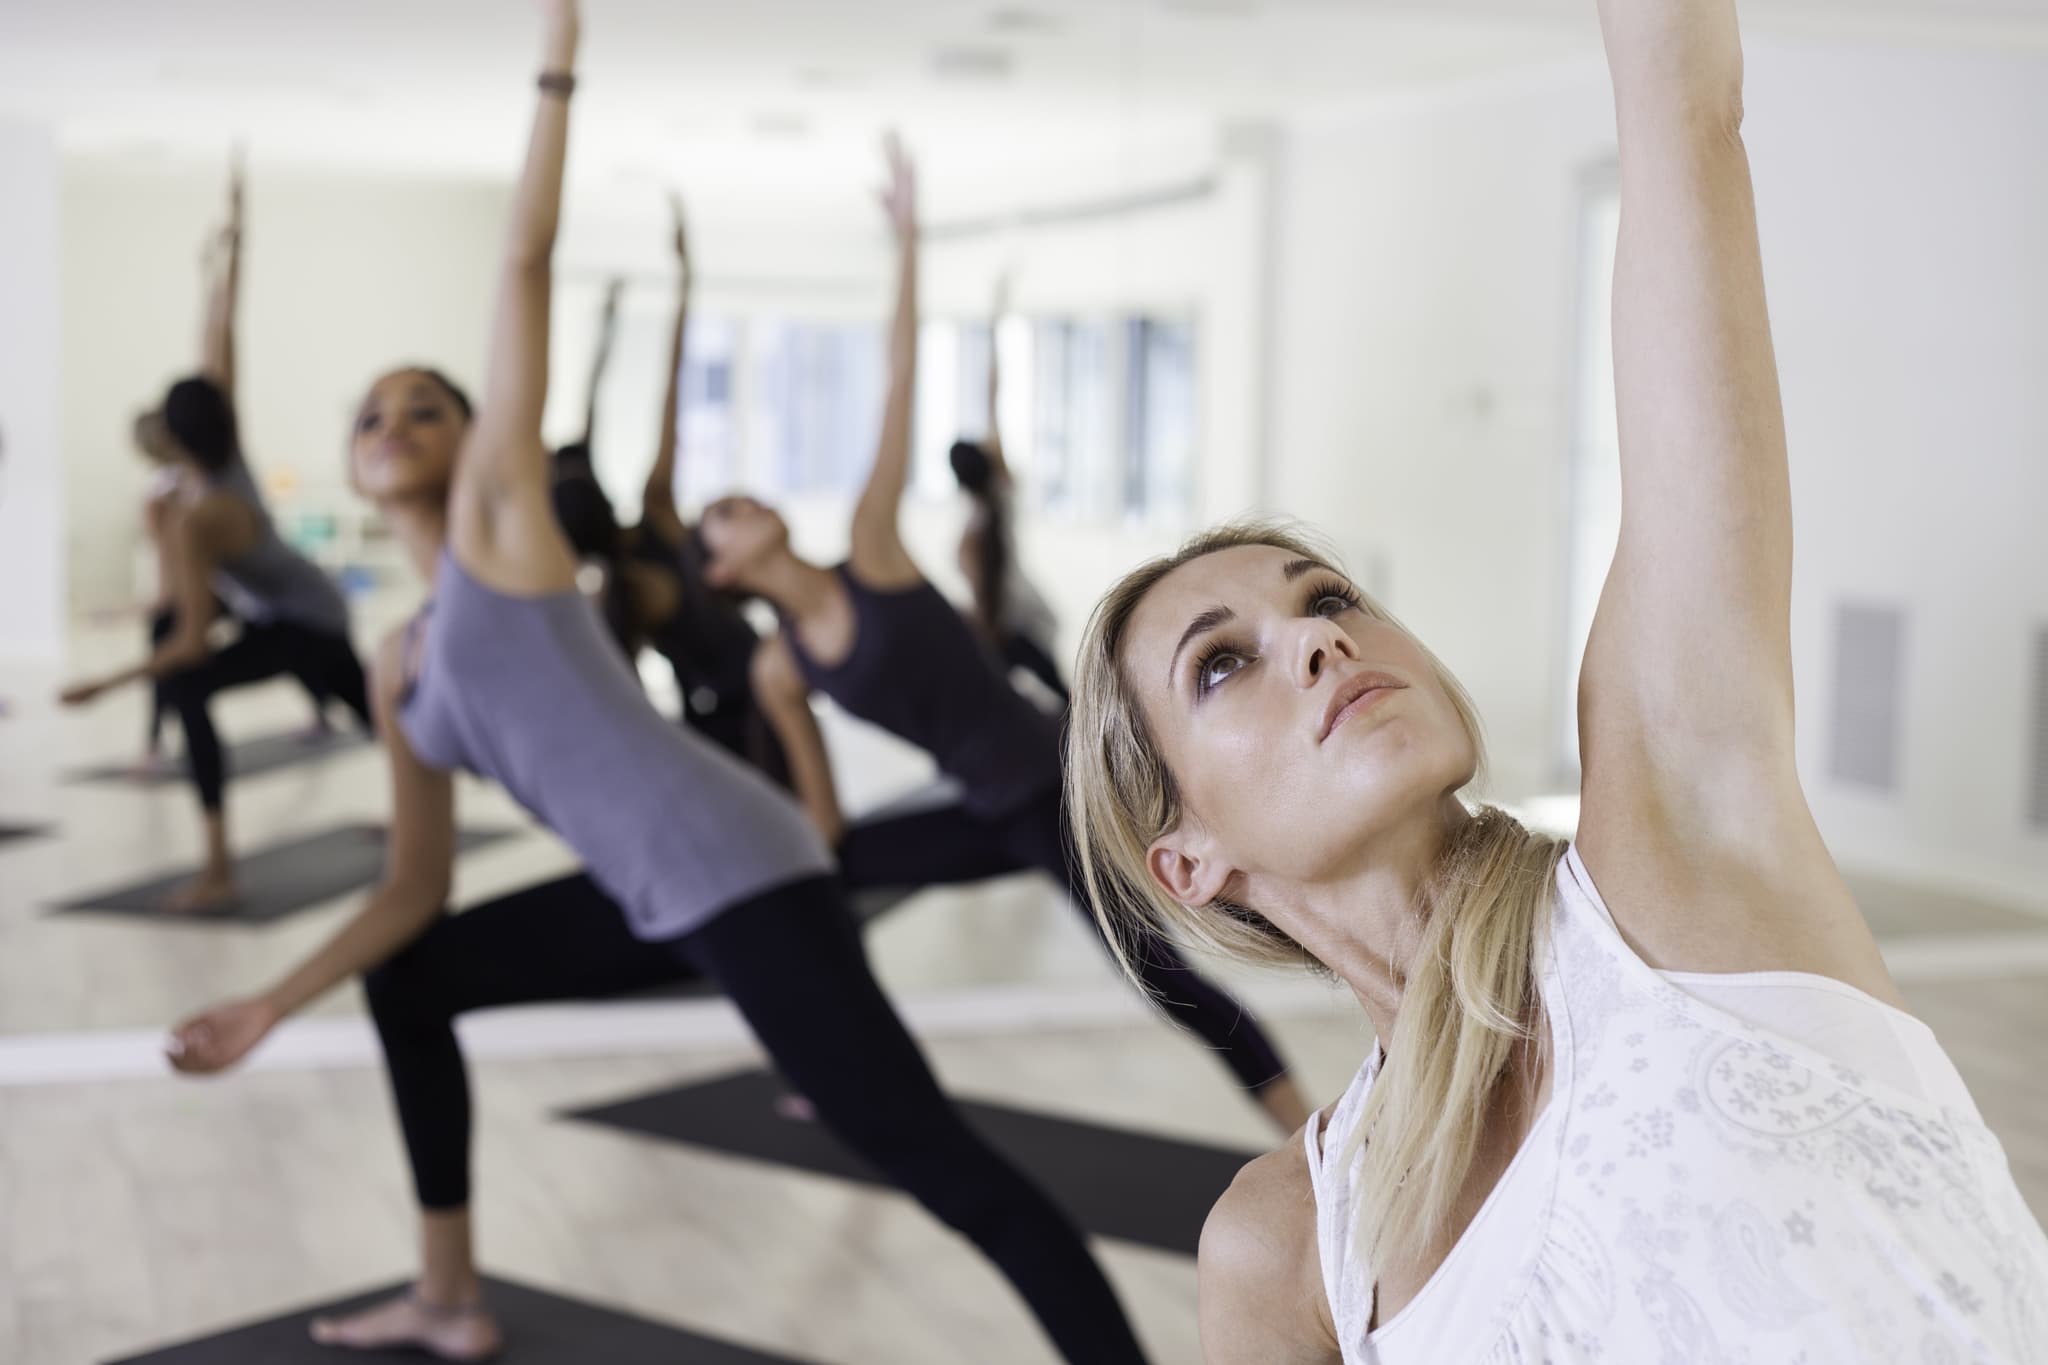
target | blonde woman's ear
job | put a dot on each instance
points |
(1184, 872)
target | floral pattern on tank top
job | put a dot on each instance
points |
(1705, 1192)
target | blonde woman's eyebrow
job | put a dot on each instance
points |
(1201, 625)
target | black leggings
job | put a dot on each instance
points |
(791, 961)
(949, 845)
(163, 623)
(325, 665)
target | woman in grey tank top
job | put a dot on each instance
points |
(510, 674)
(218, 545)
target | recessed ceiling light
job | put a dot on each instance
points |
(1023, 21)
(1213, 9)
(780, 123)
(825, 78)
(973, 63)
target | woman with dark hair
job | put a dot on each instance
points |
(879, 640)
(220, 546)
(655, 595)
(1008, 610)
(509, 673)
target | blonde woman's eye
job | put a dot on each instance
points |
(1218, 667)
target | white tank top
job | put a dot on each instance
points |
(1768, 1168)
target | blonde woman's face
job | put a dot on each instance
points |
(1296, 725)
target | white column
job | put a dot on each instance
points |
(32, 595)
(1237, 326)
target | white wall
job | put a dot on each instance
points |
(1423, 386)
(32, 610)
(1200, 258)
(1422, 374)
(344, 276)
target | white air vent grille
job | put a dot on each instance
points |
(1863, 735)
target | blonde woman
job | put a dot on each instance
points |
(1650, 1097)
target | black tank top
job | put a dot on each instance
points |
(918, 670)
(708, 642)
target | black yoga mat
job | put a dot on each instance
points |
(540, 1328)
(1115, 1182)
(250, 758)
(277, 880)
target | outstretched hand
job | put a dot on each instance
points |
(78, 694)
(899, 196)
(220, 1037)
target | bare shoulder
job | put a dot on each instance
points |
(213, 523)
(773, 669)
(390, 669)
(1260, 1270)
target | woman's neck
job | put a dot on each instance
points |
(796, 588)
(421, 526)
(1367, 924)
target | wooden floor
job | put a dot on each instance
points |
(137, 1209)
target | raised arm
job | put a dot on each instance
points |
(658, 498)
(1693, 818)
(878, 552)
(418, 873)
(501, 521)
(223, 268)
(999, 468)
(600, 361)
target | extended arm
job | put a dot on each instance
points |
(502, 525)
(1693, 817)
(223, 267)
(658, 498)
(418, 873)
(878, 553)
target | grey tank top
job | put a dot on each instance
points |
(917, 670)
(273, 582)
(533, 693)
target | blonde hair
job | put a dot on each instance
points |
(1469, 998)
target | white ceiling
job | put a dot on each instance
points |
(782, 98)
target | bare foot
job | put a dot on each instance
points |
(211, 891)
(796, 1109)
(454, 1332)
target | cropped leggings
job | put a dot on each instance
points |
(791, 961)
(163, 623)
(950, 845)
(325, 665)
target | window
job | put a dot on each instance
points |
(1159, 420)
(1073, 412)
(817, 404)
(708, 432)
